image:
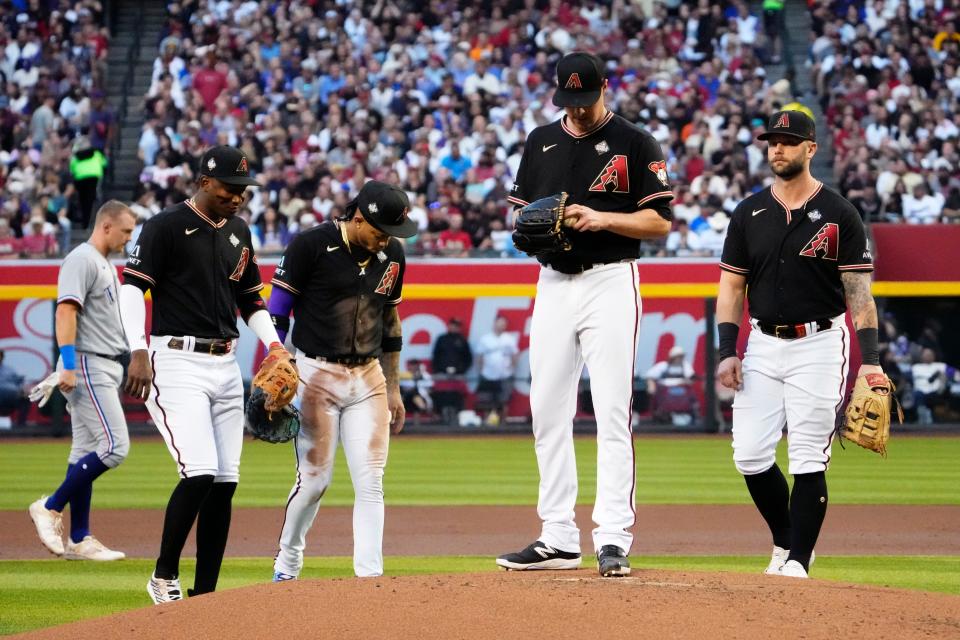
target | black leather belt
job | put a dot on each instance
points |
(573, 269)
(347, 361)
(793, 331)
(212, 346)
(117, 358)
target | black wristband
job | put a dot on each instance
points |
(728, 339)
(869, 352)
(391, 344)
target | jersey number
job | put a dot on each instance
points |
(614, 177)
(389, 279)
(241, 265)
(825, 244)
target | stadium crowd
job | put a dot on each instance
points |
(437, 98)
(886, 77)
(438, 101)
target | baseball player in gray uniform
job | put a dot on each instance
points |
(89, 374)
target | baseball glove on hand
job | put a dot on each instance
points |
(867, 419)
(538, 227)
(269, 414)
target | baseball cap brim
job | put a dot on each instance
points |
(237, 180)
(406, 229)
(769, 134)
(564, 98)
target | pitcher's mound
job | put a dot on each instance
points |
(551, 604)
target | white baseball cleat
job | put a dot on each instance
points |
(91, 549)
(49, 525)
(793, 569)
(777, 558)
(162, 590)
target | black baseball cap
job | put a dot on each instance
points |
(228, 165)
(385, 207)
(580, 77)
(790, 123)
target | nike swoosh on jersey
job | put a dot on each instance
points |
(547, 147)
(329, 248)
(189, 231)
(756, 211)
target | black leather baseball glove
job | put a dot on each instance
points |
(280, 425)
(538, 227)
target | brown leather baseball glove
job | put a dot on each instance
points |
(277, 379)
(867, 419)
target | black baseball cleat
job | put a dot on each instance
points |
(612, 561)
(539, 556)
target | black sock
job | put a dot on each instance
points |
(182, 510)
(213, 526)
(771, 494)
(808, 507)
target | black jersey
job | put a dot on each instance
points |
(793, 259)
(199, 272)
(339, 308)
(614, 167)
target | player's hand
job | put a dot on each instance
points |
(730, 373)
(67, 381)
(585, 218)
(139, 375)
(397, 413)
(869, 368)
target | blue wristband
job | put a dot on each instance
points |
(69, 355)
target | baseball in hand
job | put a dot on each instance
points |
(570, 220)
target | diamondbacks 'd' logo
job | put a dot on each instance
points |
(825, 244)
(659, 169)
(241, 265)
(573, 82)
(783, 121)
(389, 279)
(614, 176)
(242, 167)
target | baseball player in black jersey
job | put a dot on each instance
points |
(587, 309)
(798, 251)
(197, 260)
(343, 282)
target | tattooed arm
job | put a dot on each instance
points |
(390, 363)
(863, 311)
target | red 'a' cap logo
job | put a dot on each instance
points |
(573, 82)
(782, 121)
(242, 167)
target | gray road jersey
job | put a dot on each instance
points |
(88, 279)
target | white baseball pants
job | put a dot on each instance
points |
(798, 383)
(349, 405)
(591, 318)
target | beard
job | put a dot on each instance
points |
(790, 170)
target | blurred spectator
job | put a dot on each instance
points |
(496, 358)
(9, 244)
(451, 351)
(929, 384)
(682, 243)
(86, 167)
(102, 122)
(415, 385)
(675, 370)
(921, 207)
(13, 396)
(454, 242)
(712, 237)
(39, 241)
(271, 232)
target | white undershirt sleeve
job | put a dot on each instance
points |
(133, 315)
(262, 325)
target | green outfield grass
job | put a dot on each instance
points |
(43, 593)
(499, 470)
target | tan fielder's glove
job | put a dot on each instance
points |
(277, 379)
(867, 419)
